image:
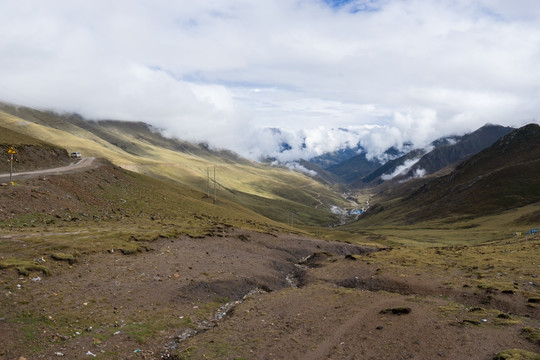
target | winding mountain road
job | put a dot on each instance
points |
(81, 165)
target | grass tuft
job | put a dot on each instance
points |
(516, 354)
(531, 334)
(24, 267)
(59, 256)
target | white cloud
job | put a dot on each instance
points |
(418, 173)
(402, 169)
(297, 167)
(221, 71)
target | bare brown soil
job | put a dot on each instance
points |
(33, 157)
(42, 191)
(239, 295)
(253, 296)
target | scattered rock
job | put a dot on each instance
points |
(396, 311)
(244, 238)
(471, 322)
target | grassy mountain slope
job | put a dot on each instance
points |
(468, 145)
(502, 177)
(387, 168)
(446, 152)
(354, 168)
(272, 191)
(322, 175)
(109, 208)
(333, 158)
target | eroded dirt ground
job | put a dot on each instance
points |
(253, 296)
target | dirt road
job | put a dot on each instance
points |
(83, 164)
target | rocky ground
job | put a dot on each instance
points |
(254, 296)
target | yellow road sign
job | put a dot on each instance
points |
(11, 150)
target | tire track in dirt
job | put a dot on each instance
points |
(324, 350)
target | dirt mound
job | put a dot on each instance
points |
(34, 157)
(67, 197)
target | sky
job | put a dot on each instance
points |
(318, 75)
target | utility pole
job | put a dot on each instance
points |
(290, 218)
(214, 184)
(207, 182)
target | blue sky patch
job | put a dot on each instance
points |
(338, 3)
(355, 6)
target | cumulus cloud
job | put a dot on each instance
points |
(328, 74)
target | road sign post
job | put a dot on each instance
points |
(11, 152)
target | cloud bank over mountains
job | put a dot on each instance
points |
(327, 74)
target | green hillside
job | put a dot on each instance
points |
(274, 192)
(487, 197)
(467, 145)
(504, 176)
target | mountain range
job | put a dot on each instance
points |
(504, 176)
(489, 170)
(354, 168)
(149, 238)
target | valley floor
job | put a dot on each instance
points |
(248, 295)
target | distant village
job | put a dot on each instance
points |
(359, 211)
